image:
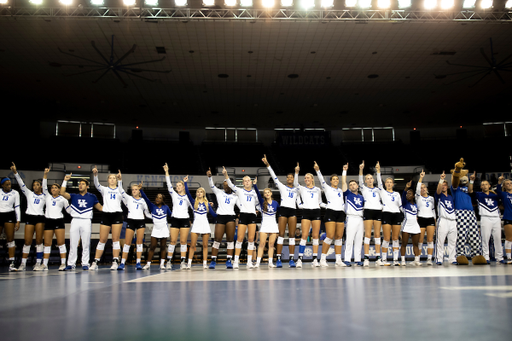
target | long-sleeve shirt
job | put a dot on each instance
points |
(334, 195)
(137, 208)
(201, 209)
(10, 202)
(180, 203)
(111, 197)
(506, 200)
(268, 215)
(226, 201)
(35, 202)
(247, 199)
(426, 205)
(158, 214)
(54, 205)
(311, 196)
(289, 195)
(371, 196)
(391, 201)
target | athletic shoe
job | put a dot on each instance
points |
(503, 261)
(396, 263)
(279, 263)
(36, 266)
(359, 263)
(323, 263)
(488, 262)
(212, 264)
(94, 266)
(439, 263)
(256, 266)
(138, 266)
(115, 265)
(169, 265)
(416, 263)
(43, 267)
(162, 267)
(12, 268)
(299, 263)
(366, 263)
(455, 263)
(271, 265)
(147, 266)
(229, 265)
(62, 267)
(385, 263)
(403, 263)
(314, 263)
(205, 266)
(379, 262)
(183, 265)
(69, 268)
(235, 265)
(291, 263)
(250, 265)
(340, 264)
(120, 267)
(429, 262)
(347, 264)
(22, 267)
(85, 267)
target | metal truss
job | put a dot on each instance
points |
(185, 14)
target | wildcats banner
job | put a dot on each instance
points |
(303, 138)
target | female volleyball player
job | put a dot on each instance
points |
(426, 217)
(9, 217)
(505, 192)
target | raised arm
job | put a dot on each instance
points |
(296, 176)
(260, 198)
(472, 178)
(440, 184)
(361, 178)
(228, 180)
(96, 181)
(210, 182)
(344, 185)
(192, 201)
(270, 170)
(456, 179)
(420, 181)
(23, 188)
(168, 179)
(45, 181)
(319, 174)
(379, 177)
(64, 185)
(124, 195)
(146, 199)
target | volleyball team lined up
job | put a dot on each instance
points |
(359, 207)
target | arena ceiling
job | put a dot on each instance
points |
(261, 73)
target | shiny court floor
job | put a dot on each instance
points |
(427, 303)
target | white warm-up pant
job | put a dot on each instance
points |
(446, 229)
(80, 229)
(491, 226)
(355, 233)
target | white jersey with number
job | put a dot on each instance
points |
(35, 202)
(391, 201)
(111, 197)
(371, 195)
(334, 195)
(54, 206)
(311, 196)
(426, 205)
(226, 201)
(10, 201)
(137, 208)
(180, 203)
(248, 200)
(289, 195)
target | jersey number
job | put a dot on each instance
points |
(36, 201)
(112, 196)
(227, 201)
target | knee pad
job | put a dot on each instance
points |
(216, 245)
(126, 248)
(170, 249)
(508, 245)
(47, 249)
(291, 241)
(395, 243)
(39, 248)
(10, 245)
(328, 241)
(139, 247)
(183, 248)
(250, 246)
(116, 246)
(338, 242)
(280, 240)
(238, 245)
(377, 241)
(315, 241)
(367, 240)
(231, 245)
(26, 248)
(430, 245)
(303, 242)
(62, 248)
(101, 246)
(385, 244)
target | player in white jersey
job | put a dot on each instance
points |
(180, 220)
(446, 223)
(490, 223)
(225, 222)
(200, 226)
(504, 191)
(111, 219)
(54, 225)
(372, 214)
(392, 218)
(312, 201)
(287, 214)
(410, 226)
(426, 217)
(9, 217)
(34, 219)
(248, 199)
(334, 215)
(137, 208)
(81, 225)
(269, 227)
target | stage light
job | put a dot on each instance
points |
(468, 4)
(486, 4)
(307, 4)
(3, 2)
(447, 4)
(97, 2)
(364, 3)
(129, 2)
(180, 2)
(383, 4)
(350, 3)
(230, 2)
(208, 2)
(246, 3)
(152, 3)
(66, 2)
(286, 3)
(268, 3)
(36, 2)
(327, 3)
(430, 4)
(508, 4)
(404, 4)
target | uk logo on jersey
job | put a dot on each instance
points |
(357, 201)
(448, 204)
(270, 208)
(82, 203)
(489, 202)
(159, 211)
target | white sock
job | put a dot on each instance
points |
(24, 261)
(123, 260)
(63, 261)
(162, 261)
(45, 261)
(338, 258)
(403, 258)
(417, 258)
(237, 258)
(323, 257)
(429, 257)
(138, 260)
(258, 260)
(189, 261)
(249, 258)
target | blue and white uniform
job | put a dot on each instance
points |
(159, 216)
(111, 197)
(35, 202)
(226, 201)
(490, 223)
(54, 206)
(81, 209)
(354, 207)
(268, 220)
(506, 200)
(426, 205)
(446, 227)
(334, 195)
(200, 224)
(10, 204)
(372, 201)
(137, 208)
(410, 223)
(180, 203)
(289, 195)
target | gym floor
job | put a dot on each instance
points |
(395, 303)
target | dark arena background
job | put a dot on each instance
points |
(130, 85)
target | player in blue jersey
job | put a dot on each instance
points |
(159, 213)
(354, 207)
(505, 192)
(467, 228)
(81, 210)
(446, 223)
